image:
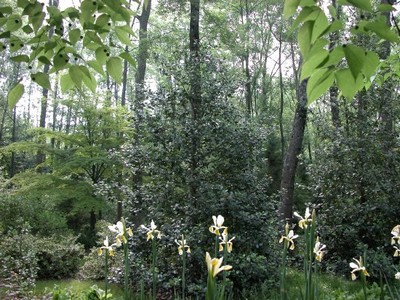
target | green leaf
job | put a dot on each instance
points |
(362, 4)
(320, 26)
(74, 36)
(128, 58)
(383, 31)
(347, 84)
(335, 57)
(15, 94)
(318, 83)
(44, 60)
(27, 29)
(66, 83)
(90, 82)
(20, 58)
(60, 60)
(101, 55)
(6, 10)
(114, 68)
(14, 23)
(304, 37)
(369, 69)
(290, 7)
(123, 36)
(94, 37)
(103, 20)
(76, 75)
(385, 8)
(37, 21)
(23, 3)
(41, 79)
(312, 63)
(355, 57)
(94, 64)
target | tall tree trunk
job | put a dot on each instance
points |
(40, 157)
(294, 149)
(195, 96)
(140, 97)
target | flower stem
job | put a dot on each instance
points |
(153, 267)
(106, 273)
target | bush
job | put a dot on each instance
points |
(18, 263)
(58, 257)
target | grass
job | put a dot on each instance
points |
(330, 287)
(45, 286)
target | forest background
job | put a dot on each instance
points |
(188, 109)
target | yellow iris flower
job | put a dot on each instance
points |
(218, 225)
(152, 231)
(303, 223)
(290, 236)
(358, 266)
(396, 234)
(106, 246)
(214, 265)
(225, 241)
(182, 245)
(319, 250)
(121, 231)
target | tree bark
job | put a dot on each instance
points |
(294, 149)
(140, 97)
(195, 96)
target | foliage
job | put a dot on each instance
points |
(58, 257)
(19, 262)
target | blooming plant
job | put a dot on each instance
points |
(182, 248)
(288, 244)
(358, 266)
(108, 251)
(214, 267)
(122, 239)
(152, 233)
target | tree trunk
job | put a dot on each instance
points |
(195, 97)
(139, 98)
(294, 149)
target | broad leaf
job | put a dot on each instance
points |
(74, 36)
(76, 75)
(312, 63)
(66, 83)
(347, 84)
(320, 25)
(128, 58)
(362, 4)
(114, 68)
(20, 58)
(15, 94)
(369, 69)
(319, 83)
(90, 82)
(41, 79)
(14, 23)
(123, 36)
(383, 31)
(304, 37)
(96, 66)
(101, 55)
(355, 57)
(290, 7)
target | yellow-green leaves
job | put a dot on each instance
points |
(15, 94)
(361, 4)
(355, 57)
(114, 68)
(290, 7)
(41, 79)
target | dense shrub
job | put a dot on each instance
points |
(58, 257)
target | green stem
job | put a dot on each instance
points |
(364, 285)
(216, 246)
(210, 293)
(154, 257)
(283, 271)
(183, 274)
(126, 272)
(106, 273)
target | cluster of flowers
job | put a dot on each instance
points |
(214, 265)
